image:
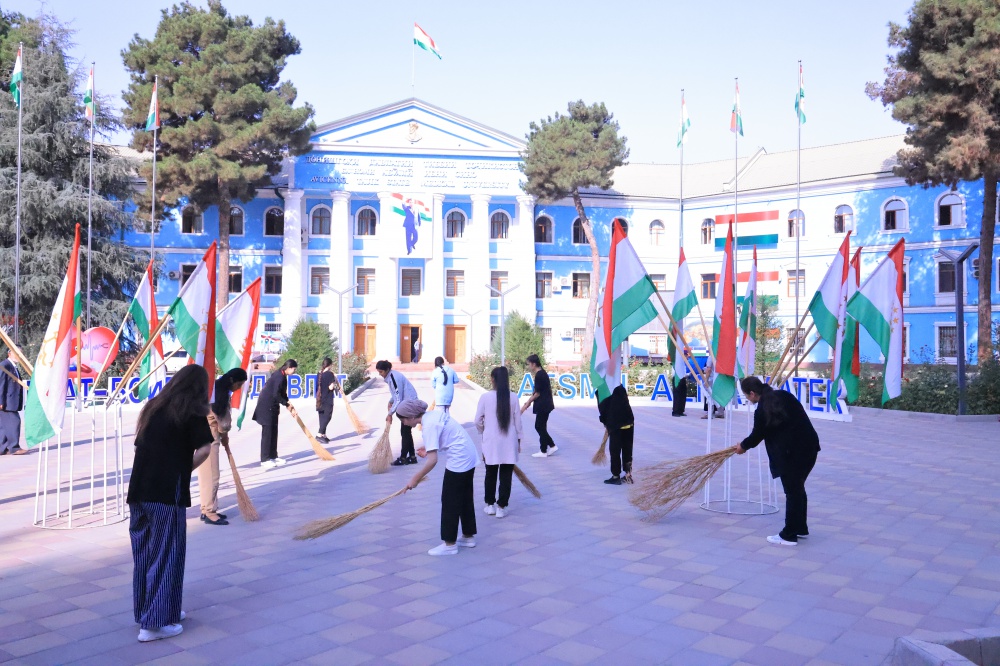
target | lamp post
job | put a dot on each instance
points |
(502, 294)
(959, 263)
(471, 316)
(340, 322)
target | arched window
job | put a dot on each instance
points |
(367, 222)
(236, 222)
(707, 231)
(455, 224)
(321, 221)
(543, 229)
(579, 237)
(949, 211)
(843, 219)
(274, 222)
(499, 225)
(796, 224)
(192, 222)
(622, 221)
(894, 215)
(656, 230)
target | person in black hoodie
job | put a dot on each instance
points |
(543, 406)
(325, 390)
(792, 444)
(616, 415)
(273, 396)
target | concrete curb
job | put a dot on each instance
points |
(974, 418)
(973, 646)
(361, 389)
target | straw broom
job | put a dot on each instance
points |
(380, 458)
(526, 482)
(322, 453)
(359, 426)
(247, 510)
(666, 485)
(601, 457)
(318, 528)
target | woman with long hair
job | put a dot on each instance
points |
(443, 380)
(172, 438)
(220, 420)
(498, 420)
(272, 398)
(542, 406)
(325, 390)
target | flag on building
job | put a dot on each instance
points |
(420, 209)
(685, 301)
(828, 306)
(625, 309)
(878, 307)
(194, 314)
(89, 105)
(748, 324)
(15, 80)
(850, 356)
(800, 98)
(153, 117)
(724, 330)
(424, 41)
(46, 401)
(736, 120)
(685, 123)
(143, 312)
(235, 332)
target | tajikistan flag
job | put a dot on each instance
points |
(685, 301)
(800, 98)
(235, 332)
(153, 117)
(420, 210)
(685, 123)
(89, 105)
(143, 312)
(850, 356)
(194, 315)
(878, 307)
(736, 120)
(828, 306)
(724, 330)
(46, 403)
(626, 309)
(15, 80)
(748, 324)
(424, 41)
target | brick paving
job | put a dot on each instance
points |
(905, 534)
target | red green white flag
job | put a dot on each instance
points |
(424, 41)
(420, 209)
(850, 356)
(143, 312)
(15, 79)
(736, 119)
(724, 330)
(89, 105)
(685, 301)
(153, 117)
(194, 314)
(800, 98)
(748, 324)
(828, 306)
(235, 332)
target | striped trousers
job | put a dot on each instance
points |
(159, 544)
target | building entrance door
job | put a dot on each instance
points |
(364, 340)
(454, 344)
(409, 335)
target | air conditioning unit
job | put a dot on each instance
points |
(564, 281)
(304, 236)
(975, 268)
(567, 334)
(173, 275)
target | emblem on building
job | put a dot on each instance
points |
(414, 134)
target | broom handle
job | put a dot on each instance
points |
(159, 365)
(784, 357)
(801, 358)
(138, 359)
(21, 358)
(14, 377)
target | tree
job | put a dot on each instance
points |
(54, 184)
(227, 119)
(521, 338)
(309, 343)
(570, 153)
(769, 344)
(942, 83)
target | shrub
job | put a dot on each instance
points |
(356, 368)
(308, 344)
(983, 391)
(482, 365)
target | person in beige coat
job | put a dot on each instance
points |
(498, 419)
(220, 420)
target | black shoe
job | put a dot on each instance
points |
(221, 515)
(678, 414)
(220, 521)
(613, 481)
(412, 460)
(323, 438)
(400, 461)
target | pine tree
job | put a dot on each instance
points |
(227, 118)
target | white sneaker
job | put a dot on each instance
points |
(444, 549)
(279, 461)
(552, 449)
(466, 542)
(501, 511)
(539, 454)
(268, 464)
(183, 615)
(777, 540)
(169, 631)
(491, 509)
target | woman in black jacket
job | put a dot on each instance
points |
(616, 415)
(273, 396)
(325, 390)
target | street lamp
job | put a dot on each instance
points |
(340, 322)
(472, 340)
(959, 263)
(502, 294)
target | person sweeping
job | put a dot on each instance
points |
(498, 420)
(616, 415)
(326, 388)
(792, 444)
(220, 420)
(273, 396)
(400, 389)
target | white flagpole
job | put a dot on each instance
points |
(90, 196)
(413, 66)
(680, 224)
(17, 212)
(736, 211)
(798, 220)
(152, 214)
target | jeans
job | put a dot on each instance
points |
(796, 503)
(541, 427)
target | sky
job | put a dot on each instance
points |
(506, 64)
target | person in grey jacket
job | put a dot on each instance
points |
(400, 389)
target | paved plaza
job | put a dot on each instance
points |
(903, 513)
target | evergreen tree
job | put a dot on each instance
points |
(54, 185)
(769, 337)
(227, 118)
(309, 343)
(570, 153)
(942, 83)
(521, 338)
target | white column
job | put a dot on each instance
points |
(341, 266)
(292, 262)
(523, 265)
(386, 288)
(478, 276)
(433, 320)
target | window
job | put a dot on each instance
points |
(796, 224)
(622, 221)
(843, 219)
(543, 285)
(319, 280)
(658, 344)
(365, 277)
(367, 221)
(455, 224)
(946, 277)
(906, 277)
(906, 341)
(192, 222)
(581, 285)
(499, 225)
(186, 271)
(547, 340)
(498, 280)
(656, 232)
(579, 237)
(578, 334)
(894, 215)
(455, 283)
(796, 282)
(409, 283)
(272, 279)
(235, 279)
(659, 281)
(236, 221)
(708, 285)
(947, 341)
(543, 229)
(950, 211)
(707, 231)
(274, 222)
(321, 222)
(798, 335)
(272, 327)
(494, 334)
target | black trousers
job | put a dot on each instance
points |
(620, 443)
(505, 472)
(324, 419)
(793, 480)
(541, 427)
(407, 450)
(457, 505)
(269, 441)
(680, 396)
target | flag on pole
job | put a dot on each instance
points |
(736, 120)
(89, 105)
(850, 356)
(685, 301)
(235, 331)
(424, 41)
(878, 307)
(828, 306)
(724, 330)
(194, 315)
(800, 98)
(143, 312)
(626, 309)
(15, 79)
(153, 117)
(748, 324)
(46, 402)
(685, 123)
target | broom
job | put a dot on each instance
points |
(664, 486)
(359, 427)
(526, 482)
(322, 453)
(380, 458)
(601, 457)
(318, 528)
(247, 510)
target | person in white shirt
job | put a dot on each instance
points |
(443, 433)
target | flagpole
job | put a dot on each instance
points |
(680, 224)
(152, 214)
(413, 67)
(17, 212)
(90, 195)
(736, 202)
(798, 213)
